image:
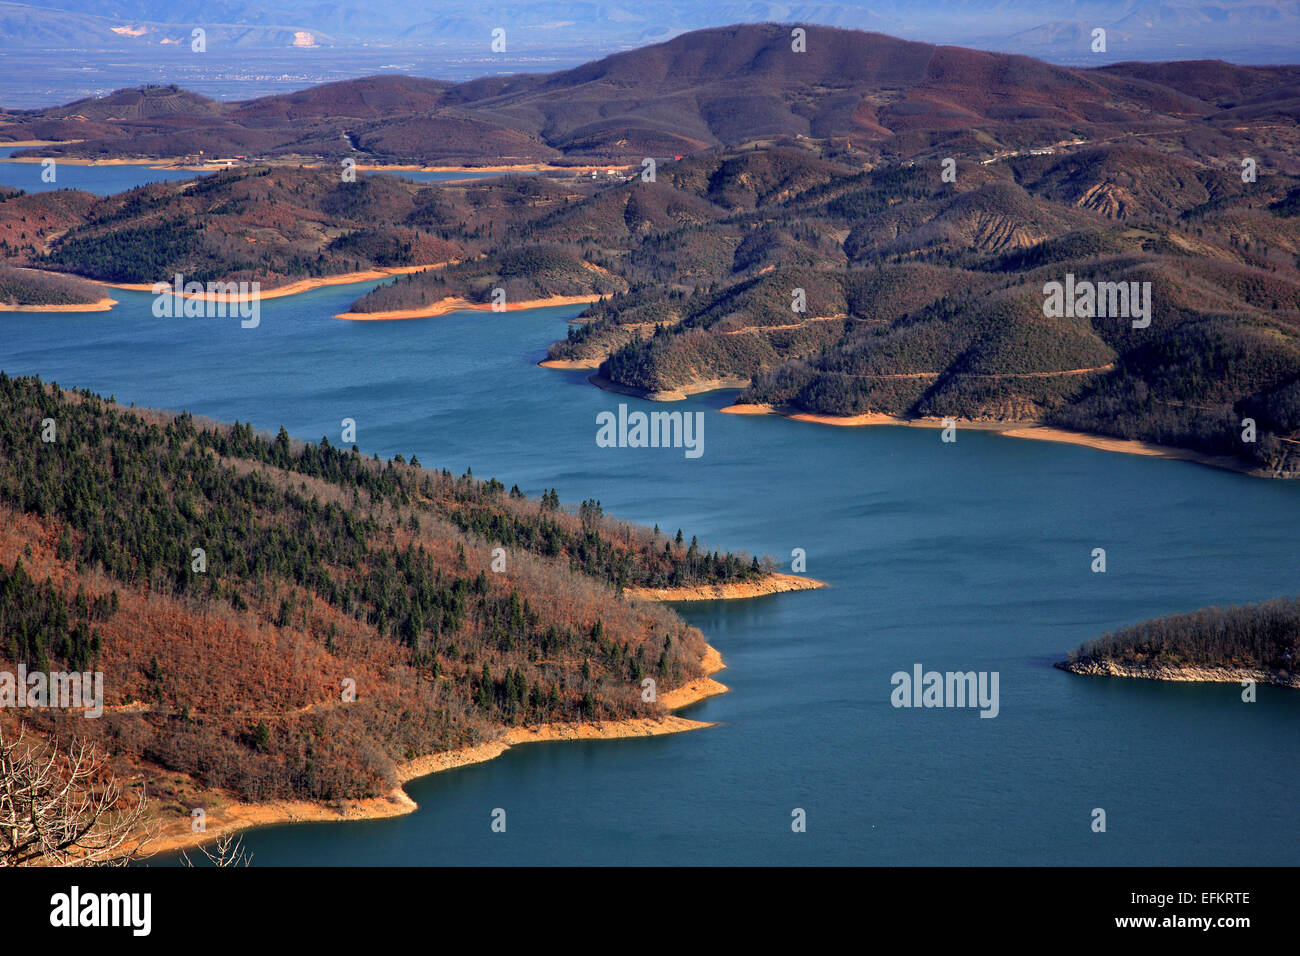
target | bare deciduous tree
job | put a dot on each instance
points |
(63, 807)
(228, 850)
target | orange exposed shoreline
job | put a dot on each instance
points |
(865, 419)
(180, 162)
(293, 288)
(79, 161)
(298, 286)
(234, 816)
(516, 168)
(101, 305)
(1015, 429)
(457, 304)
(772, 584)
(14, 144)
(1131, 447)
(678, 394)
(569, 363)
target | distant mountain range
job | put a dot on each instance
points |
(726, 87)
(1057, 30)
(799, 238)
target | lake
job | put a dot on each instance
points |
(967, 556)
(107, 180)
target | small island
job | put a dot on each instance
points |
(1253, 642)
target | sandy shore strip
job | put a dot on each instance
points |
(772, 584)
(293, 288)
(187, 164)
(156, 162)
(1015, 429)
(586, 364)
(667, 395)
(79, 161)
(398, 169)
(867, 419)
(515, 168)
(101, 305)
(16, 143)
(457, 304)
(1130, 447)
(233, 816)
(179, 162)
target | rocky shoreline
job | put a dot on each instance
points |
(1197, 673)
(231, 816)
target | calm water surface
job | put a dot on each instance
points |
(101, 180)
(106, 180)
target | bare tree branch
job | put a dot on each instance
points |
(228, 850)
(63, 807)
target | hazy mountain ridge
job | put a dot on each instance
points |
(918, 294)
(1056, 30)
(884, 97)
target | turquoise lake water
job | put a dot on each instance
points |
(106, 180)
(100, 180)
(965, 556)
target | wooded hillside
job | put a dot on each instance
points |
(319, 567)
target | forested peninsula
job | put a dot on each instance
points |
(296, 626)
